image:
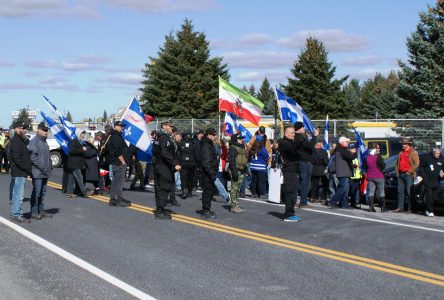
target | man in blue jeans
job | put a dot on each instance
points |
(41, 170)
(20, 169)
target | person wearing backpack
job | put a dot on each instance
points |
(237, 160)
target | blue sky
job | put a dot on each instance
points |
(87, 56)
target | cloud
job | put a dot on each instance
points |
(6, 64)
(335, 40)
(164, 6)
(247, 41)
(75, 64)
(365, 74)
(125, 79)
(16, 86)
(369, 60)
(261, 59)
(275, 76)
(45, 8)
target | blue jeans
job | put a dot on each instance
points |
(305, 170)
(341, 195)
(258, 183)
(38, 194)
(18, 193)
(78, 177)
(245, 183)
(11, 189)
(177, 180)
(354, 191)
(405, 183)
(221, 189)
(147, 174)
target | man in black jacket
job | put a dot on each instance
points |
(319, 174)
(21, 168)
(210, 168)
(289, 148)
(431, 168)
(305, 166)
(165, 164)
(118, 150)
(76, 164)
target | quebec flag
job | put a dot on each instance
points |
(362, 149)
(58, 132)
(232, 125)
(67, 126)
(292, 112)
(136, 131)
(326, 145)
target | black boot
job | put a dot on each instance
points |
(184, 195)
(190, 193)
(383, 208)
(371, 207)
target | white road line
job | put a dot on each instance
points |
(77, 261)
(352, 217)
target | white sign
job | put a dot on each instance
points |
(32, 114)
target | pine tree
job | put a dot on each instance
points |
(252, 90)
(313, 86)
(182, 81)
(266, 95)
(420, 93)
(23, 117)
(353, 98)
(68, 116)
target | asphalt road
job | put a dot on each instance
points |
(331, 254)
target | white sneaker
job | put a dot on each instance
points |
(429, 214)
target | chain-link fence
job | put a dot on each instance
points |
(426, 133)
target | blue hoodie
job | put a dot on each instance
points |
(258, 162)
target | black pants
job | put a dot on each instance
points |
(315, 187)
(208, 191)
(138, 175)
(430, 194)
(290, 191)
(115, 192)
(163, 182)
(197, 177)
(258, 183)
(187, 177)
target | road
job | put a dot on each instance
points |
(126, 254)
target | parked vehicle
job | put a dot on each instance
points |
(391, 185)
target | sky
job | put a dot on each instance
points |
(87, 56)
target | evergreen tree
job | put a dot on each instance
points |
(420, 93)
(105, 117)
(23, 117)
(313, 86)
(266, 95)
(252, 90)
(68, 116)
(352, 98)
(182, 81)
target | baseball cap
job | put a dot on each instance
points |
(119, 123)
(42, 126)
(343, 139)
(210, 131)
(19, 124)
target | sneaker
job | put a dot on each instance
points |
(71, 196)
(209, 215)
(119, 203)
(36, 217)
(237, 210)
(429, 214)
(19, 220)
(292, 219)
(162, 215)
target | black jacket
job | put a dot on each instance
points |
(76, 157)
(164, 152)
(92, 164)
(307, 147)
(196, 148)
(116, 148)
(290, 153)
(429, 169)
(187, 158)
(209, 159)
(320, 162)
(20, 158)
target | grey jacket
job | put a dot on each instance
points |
(343, 160)
(40, 157)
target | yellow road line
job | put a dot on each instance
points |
(301, 247)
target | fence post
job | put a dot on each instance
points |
(192, 125)
(334, 128)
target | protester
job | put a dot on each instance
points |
(76, 164)
(222, 191)
(21, 168)
(374, 167)
(196, 148)
(343, 162)
(4, 151)
(237, 164)
(289, 149)
(432, 171)
(354, 192)
(165, 164)
(149, 163)
(305, 166)
(188, 163)
(259, 159)
(41, 170)
(319, 174)
(209, 165)
(92, 171)
(406, 165)
(260, 134)
(104, 179)
(118, 155)
(138, 167)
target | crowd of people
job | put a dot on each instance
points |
(222, 168)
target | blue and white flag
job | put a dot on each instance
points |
(136, 131)
(58, 132)
(67, 126)
(362, 149)
(232, 125)
(292, 112)
(326, 145)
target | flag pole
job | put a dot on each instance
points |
(279, 111)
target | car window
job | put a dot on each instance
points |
(390, 162)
